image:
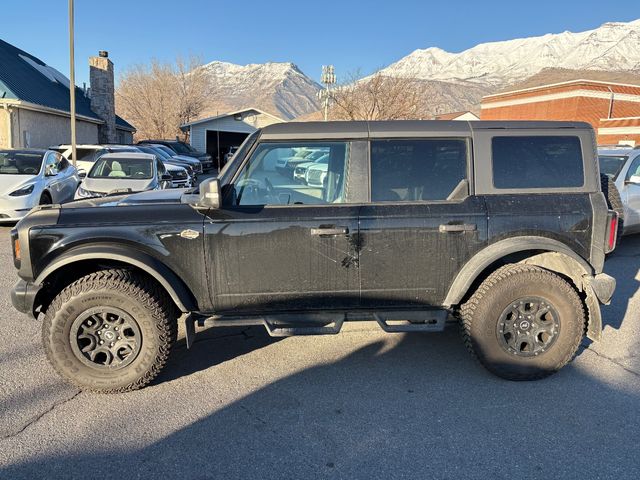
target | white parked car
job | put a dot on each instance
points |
(89, 153)
(117, 173)
(316, 174)
(33, 177)
(622, 164)
(300, 172)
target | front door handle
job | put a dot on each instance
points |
(329, 231)
(460, 227)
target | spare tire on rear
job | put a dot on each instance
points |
(614, 201)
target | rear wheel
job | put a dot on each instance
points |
(523, 322)
(614, 201)
(110, 331)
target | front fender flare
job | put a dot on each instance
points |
(174, 286)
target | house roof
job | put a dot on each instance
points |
(452, 115)
(26, 78)
(579, 81)
(229, 114)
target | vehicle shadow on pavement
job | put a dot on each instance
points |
(416, 406)
(212, 347)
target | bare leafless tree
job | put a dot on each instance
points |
(159, 97)
(377, 97)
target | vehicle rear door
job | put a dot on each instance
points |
(421, 224)
(279, 245)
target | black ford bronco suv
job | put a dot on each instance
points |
(500, 225)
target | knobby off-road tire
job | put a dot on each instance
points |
(520, 353)
(614, 201)
(130, 315)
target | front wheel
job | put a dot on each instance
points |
(523, 322)
(110, 331)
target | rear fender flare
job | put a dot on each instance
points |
(556, 257)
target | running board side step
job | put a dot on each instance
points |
(290, 324)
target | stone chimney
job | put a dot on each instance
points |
(102, 95)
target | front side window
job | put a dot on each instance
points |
(417, 170)
(537, 162)
(634, 168)
(268, 176)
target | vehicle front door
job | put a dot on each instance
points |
(55, 179)
(421, 225)
(631, 195)
(278, 245)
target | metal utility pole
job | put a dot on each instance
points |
(328, 79)
(72, 86)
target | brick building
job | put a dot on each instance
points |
(612, 108)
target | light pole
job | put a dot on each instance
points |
(72, 86)
(328, 78)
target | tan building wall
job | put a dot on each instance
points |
(41, 130)
(4, 133)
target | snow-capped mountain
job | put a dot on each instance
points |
(278, 88)
(614, 46)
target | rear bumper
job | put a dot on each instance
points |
(11, 216)
(23, 296)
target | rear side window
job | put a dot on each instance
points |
(417, 169)
(537, 162)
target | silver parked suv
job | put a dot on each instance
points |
(621, 163)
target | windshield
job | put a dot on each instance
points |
(182, 147)
(160, 153)
(122, 167)
(20, 163)
(166, 150)
(611, 164)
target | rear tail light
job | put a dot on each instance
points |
(612, 231)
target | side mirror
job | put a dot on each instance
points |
(166, 177)
(210, 193)
(50, 171)
(82, 173)
(634, 179)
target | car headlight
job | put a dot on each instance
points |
(85, 193)
(22, 191)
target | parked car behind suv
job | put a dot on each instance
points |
(501, 226)
(124, 173)
(622, 164)
(30, 177)
(182, 148)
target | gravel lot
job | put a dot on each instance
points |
(362, 404)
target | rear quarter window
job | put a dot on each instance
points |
(522, 162)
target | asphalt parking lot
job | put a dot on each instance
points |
(362, 404)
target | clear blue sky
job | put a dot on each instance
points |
(352, 35)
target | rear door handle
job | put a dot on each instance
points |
(461, 227)
(329, 231)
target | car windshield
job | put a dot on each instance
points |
(160, 153)
(166, 150)
(20, 163)
(182, 147)
(122, 167)
(611, 164)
